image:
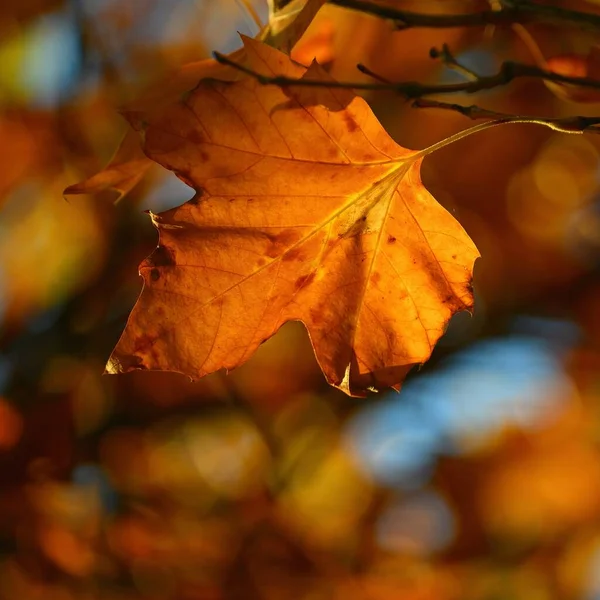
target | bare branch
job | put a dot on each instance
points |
(508, 72)
(374, 75)
(448, 59)
(512, 11)
(571, 124)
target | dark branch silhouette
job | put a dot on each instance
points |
(513, 11)
(509, 71)
(570, 124)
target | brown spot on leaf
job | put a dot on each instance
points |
(144, 343)
(304, 280)
(454, 257)
(136, 362)
(287, 236)
(375, 278)
(280, 242)
(155, 274)
(316, 317)
(391, 239)
(196, 137)
(293, 254)
(161, 257)
(350, 123)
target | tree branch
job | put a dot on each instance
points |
(449, 61)
(508, 72)
(512, 11)
(571, 124)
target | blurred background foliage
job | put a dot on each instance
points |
(479, 481)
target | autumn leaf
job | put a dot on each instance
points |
(129, 164)
(316, 45)
(123, 172)
(305, 210)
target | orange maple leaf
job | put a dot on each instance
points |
(305, 210)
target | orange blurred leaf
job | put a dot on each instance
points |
(124, 171)
(129, 164)
(67, 551)
(306, 210)
(575, 65)
(315, 45)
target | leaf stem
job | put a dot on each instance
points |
(572, 125)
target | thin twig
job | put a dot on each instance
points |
(372, 74)
(448, 59)
(508, 72)
(512, 11)
(571, 124)
(523, 34)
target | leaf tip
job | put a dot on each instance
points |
(114, 366)
(123, 363)
(112, 193)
